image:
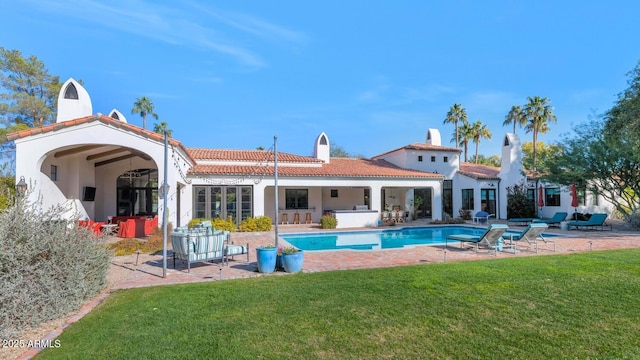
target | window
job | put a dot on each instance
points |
(581, 192)
(433, 159)
(419, 158)
(71, 92)
(114, 115)
(552, 196)
(467, 199)
(334, 192)
(594, 196)
(323, 140)
(223, 202)
(54, 173)
(297, 199)
(445, 159)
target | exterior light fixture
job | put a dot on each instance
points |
(21, 187)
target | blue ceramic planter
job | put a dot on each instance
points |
(266, 259)
(292, 262)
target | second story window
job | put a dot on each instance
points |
(433, 159)
(446, 159)
(419, 158)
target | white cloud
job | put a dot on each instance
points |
(196, 26)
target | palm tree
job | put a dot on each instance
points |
(466, 134)
(457, 114)
(144, 107)
(539, 113)
(516, 116)
(479, 131)
(161, 128)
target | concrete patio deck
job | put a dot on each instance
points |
(146, 269)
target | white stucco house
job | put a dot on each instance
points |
(101, 166)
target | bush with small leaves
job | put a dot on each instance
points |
(328, 222)
(48, 266)
(260, 223)
(217, 223)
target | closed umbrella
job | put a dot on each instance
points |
(540, 199)
(574, 200)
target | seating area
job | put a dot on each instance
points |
(393, 216)
(596, 221)
(495, 238)
(94, 226)
(530, 235)
(203, 243)
(135, 226)
(491, 238)
(556, 219)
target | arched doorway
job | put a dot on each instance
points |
(138, 193)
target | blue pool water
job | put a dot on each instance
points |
(379, 239)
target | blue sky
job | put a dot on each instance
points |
(373, 75)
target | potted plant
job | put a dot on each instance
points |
(266, 256)
(292, 259)
(417, 201)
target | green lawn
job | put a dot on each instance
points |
(580, 306)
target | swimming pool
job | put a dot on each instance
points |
(379, 239)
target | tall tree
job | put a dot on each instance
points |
(493, 160)
(479, 131)
(161, 128)
(539, 114)
(466, 134)
(516, 116)
(144, 106)
(604, 154)
(457, 115)
(30, 92)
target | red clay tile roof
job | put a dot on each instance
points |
(253, 156)
(421, 146)
(337, 167)
(479, 172)
(88, 119)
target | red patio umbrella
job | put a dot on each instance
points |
(540, 198)
(574, 196)
(574, 201)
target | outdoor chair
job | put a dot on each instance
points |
(531, 234)
(556, 219)
(482, 217)
(595, 221)
(491, 236)
(230, 249)
(197, 245)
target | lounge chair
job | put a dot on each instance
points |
(595, 221)
(531, 234)
(556, 219)
(490, 237)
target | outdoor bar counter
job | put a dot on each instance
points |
(356, 218)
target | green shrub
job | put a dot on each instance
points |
(48, 267)
(519, 205)
(248, 225)
(217, 223)
(328, 222)
(260, 223)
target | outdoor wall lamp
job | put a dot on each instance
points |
(21, 187)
